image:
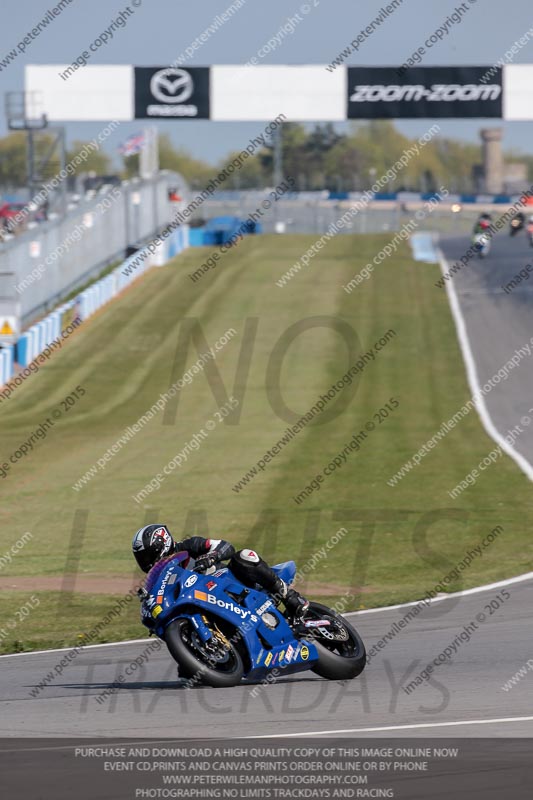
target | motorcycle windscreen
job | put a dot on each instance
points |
(181, 557)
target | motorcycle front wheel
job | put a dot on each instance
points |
(341, 651)
(214, 663)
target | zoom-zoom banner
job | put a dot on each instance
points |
(430, 92)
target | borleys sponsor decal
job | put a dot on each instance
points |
(227, 604)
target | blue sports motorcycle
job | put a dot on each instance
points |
(220, 631)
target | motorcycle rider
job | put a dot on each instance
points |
(517, 222)
(153, 544)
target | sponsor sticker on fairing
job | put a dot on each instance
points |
(191, 581)
(163, 586)
(264, 607)
(227, 604)
(220, 572)
(289, 654)
(268, 659)
(211, 585)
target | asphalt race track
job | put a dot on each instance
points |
(497, 324)
(153, 704)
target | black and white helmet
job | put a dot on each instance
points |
(151, 544)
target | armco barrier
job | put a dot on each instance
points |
(33, 341)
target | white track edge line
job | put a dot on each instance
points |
(463, 593)
(452, 724)
(472, 376)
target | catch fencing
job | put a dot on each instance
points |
(49, 261)
(41, 335)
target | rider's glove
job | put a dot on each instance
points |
(203, 563)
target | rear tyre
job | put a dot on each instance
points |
(341, 651)
(215, 663)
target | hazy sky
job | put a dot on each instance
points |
(162, 29)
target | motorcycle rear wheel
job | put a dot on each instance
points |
(226, 667)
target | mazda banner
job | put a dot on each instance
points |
(172, 92)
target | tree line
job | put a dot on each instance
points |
(316, 158)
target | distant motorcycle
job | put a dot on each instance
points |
(482, 244)
(530, 234)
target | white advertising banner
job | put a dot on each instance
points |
(92, 93)
(517, 92)
(302, 93)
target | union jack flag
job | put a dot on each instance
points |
(133, 144)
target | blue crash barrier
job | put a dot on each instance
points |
(222, 230)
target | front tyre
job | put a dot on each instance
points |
(341, 651)
(214, 663)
